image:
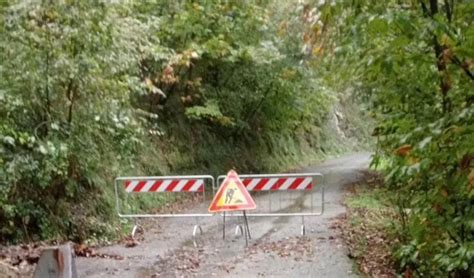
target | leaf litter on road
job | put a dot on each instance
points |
(298, 248)
(21, 259)
(82, 250)
(183, 260)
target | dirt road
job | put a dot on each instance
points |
(275, 250)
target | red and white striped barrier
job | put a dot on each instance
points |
(193, 184)
(126, 186)
(165, 185)
(277, 184)
(280, 183)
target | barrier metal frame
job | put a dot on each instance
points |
(196, 228)
(281, 214)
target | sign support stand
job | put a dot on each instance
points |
(247, 225)
(245, 234)
(223, 226)
(232, 195)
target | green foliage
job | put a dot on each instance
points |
(413, 61)
(67, 72)
(90, 91)
(210, 111)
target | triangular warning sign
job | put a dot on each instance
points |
(232, 195)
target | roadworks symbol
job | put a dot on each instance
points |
(232, 195)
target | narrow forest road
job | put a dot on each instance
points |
(276, 248)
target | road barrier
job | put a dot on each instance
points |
(271, 184)
(277, 183)
(263, 185)
(167, 186)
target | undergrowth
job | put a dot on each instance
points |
(368, 227)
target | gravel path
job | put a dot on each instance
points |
(275, 250)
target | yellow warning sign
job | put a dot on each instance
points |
(232, 195)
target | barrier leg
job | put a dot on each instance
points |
(134, 229)
(195, 230)
(242, 231)
(238, 230)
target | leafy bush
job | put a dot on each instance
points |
(413, 61)
(67, 72)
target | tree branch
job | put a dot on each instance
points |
(463, 66)
(449, 10)
(434, 7)
(260, 103)
(425, 9)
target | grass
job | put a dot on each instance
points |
(367, 199)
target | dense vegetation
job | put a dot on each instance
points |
(414, 63)
(91, 90)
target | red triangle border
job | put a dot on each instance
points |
(232, 176)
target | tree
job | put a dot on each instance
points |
(413, 60)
